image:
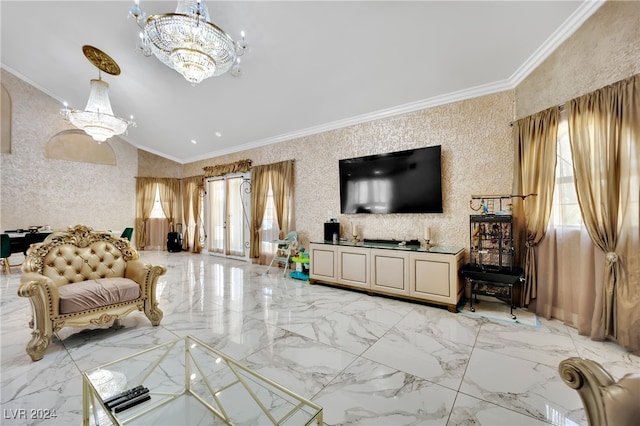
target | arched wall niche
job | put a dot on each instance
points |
(76, 145)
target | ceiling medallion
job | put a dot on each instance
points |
(97, 119)
(101, 60)
(188, 42)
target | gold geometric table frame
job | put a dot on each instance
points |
(192, 383)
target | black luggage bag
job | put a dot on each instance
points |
(174, 240)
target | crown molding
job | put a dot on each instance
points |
(448, 98)
(562, 33)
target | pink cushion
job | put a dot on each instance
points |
(76, 297)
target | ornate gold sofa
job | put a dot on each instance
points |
(606, 402)
(82, 277)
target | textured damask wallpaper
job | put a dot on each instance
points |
(605, 49)
(39, 191)
(477, 158)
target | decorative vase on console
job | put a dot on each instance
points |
(354, 233)
(427, 238)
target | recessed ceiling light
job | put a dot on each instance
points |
(218, 134)
(193, 141)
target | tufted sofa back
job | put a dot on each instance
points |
(79, 254)
(70, 264)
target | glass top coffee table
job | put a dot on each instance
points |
(186, 382)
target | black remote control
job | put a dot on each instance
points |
(132, 402)
(121, 394)
(127, 397)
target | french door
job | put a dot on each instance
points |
(228, 212)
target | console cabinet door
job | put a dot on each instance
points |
(434, 277)
(354, 266)
(324, 263)
(390, 271)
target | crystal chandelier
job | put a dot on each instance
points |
(97, 119)
(188, 42)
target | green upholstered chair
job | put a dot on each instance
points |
(127, 233)
(5, 252)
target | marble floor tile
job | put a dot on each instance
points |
(342, 331)
(299, 364)
(470, 411)
(367, 360)
(529, 388)
(379, 309)
(527, 343)
(439, 361)
(369, 393)
(441, 324)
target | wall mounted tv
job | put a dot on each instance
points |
(397, 182)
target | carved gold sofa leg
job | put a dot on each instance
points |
(153, 313)
(38, 345)
(151, 309)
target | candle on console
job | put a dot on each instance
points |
(427, 233)
(353, 228)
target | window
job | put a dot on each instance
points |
(565, 210)
(157, 212)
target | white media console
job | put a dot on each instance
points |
(429, 275)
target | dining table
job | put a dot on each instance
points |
(21, 239)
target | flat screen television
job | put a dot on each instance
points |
(397, 182)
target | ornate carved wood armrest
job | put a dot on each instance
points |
(587, 377)
(147, 276)
(42, 292)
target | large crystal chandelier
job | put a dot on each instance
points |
(188, 42)
(97, 119)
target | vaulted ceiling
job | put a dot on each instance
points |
(311, 65)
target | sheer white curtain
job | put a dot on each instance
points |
(269, 230)
(157, 226)
(216, 192)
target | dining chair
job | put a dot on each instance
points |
(5, 252)
(127, 233)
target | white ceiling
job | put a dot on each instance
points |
(312, 65)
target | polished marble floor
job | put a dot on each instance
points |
(366, 360)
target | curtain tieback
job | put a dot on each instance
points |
(612, 257)
(530, 243)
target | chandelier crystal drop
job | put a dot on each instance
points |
(97, 119)
(188, 42)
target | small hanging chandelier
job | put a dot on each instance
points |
(97, 119)
(188, 42)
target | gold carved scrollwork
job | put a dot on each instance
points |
(57, 325)
(38, 345)
(223, 169)
(79, 236)
(101, 60)
(104, 319)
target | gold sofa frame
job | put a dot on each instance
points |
(42, 290)
(606, 402)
